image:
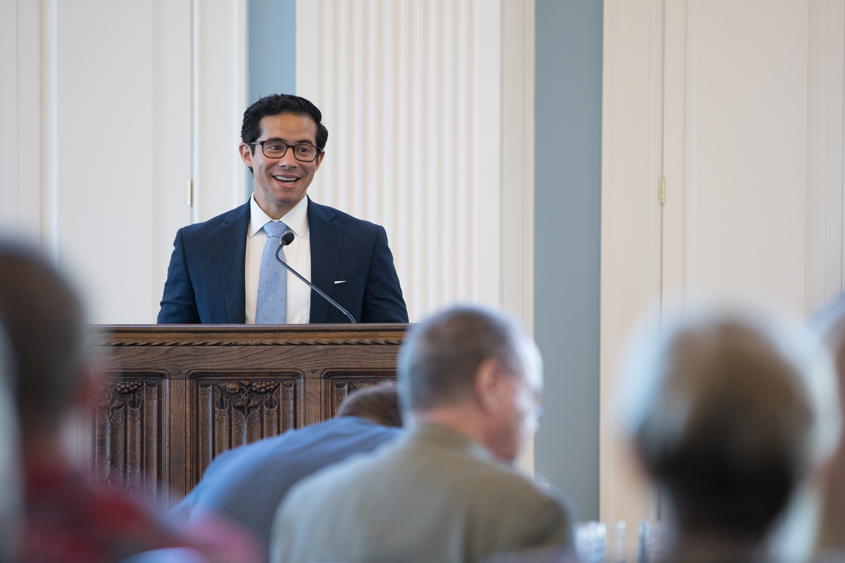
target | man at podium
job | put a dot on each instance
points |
(225, 271)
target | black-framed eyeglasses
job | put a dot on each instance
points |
(303, 152)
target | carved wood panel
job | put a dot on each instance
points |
(198, 390)
(128, 429)
(232, 412)
(339, 385)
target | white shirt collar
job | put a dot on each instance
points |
(296, 219)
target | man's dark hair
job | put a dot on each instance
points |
(439, 358)
(277, 104)
(46, 329)
(379, 403)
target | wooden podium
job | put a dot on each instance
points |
(176, 396)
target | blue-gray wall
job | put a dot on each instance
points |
(567, 218)
(271, 52)
(567, 239)
(272, 48)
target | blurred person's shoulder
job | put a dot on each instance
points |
(68, 520)
(554, 554)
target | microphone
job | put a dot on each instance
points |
(286, 239)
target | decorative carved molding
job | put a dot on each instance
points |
(233, 412)
(317, 342)
(127, 436)
(390, 334)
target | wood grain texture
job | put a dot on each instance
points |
(127, 419)
(176, 396)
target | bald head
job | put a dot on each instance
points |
(722, 411)
(46, 328)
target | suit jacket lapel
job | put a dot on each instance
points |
(325, 253)
(231, 256)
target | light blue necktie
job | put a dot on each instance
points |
(272, 300)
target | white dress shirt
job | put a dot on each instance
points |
(297, 255)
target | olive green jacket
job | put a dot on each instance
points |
(433, 495)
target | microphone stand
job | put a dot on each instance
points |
(285, 241)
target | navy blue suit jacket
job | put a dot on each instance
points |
(205, 280)
(247, 484)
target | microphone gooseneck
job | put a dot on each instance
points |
(285, 240)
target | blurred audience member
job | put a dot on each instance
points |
(554, 554)
(728, 413)
(470, 382)
(11, 507)
(66, 520)
(248, 483)
(830, 541)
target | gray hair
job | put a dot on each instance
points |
(439, 358)
(728, 411)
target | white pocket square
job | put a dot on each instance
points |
(342, 281)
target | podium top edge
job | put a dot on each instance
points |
(215, 328)
(245, 335)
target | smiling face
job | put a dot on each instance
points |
(281, 183)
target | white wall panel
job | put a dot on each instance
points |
(171, 127)
(20, 119)
(739, 106)
(412, 93)
(825, 151)
(517, 152)
(104, 149)
(751, 121)
(101, 115)
(219, 101)
(632, 122)
(108, 142)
